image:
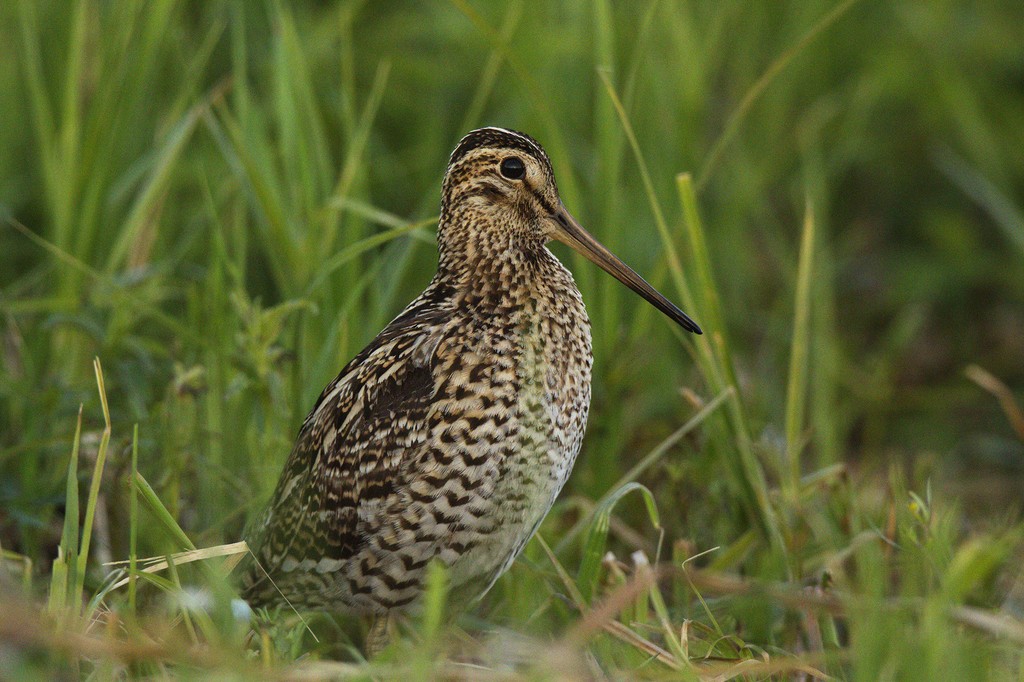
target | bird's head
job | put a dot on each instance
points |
(499, 196)
(500, 180)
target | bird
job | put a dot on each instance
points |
(450, 435)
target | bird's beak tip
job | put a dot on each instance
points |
(570, 232)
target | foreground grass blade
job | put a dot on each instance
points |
(94, 486)
(797, 388)
(235, 550)
(595, 546)
(66, 563)
(157, 508)
(133, 525)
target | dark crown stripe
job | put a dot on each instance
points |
(497, 137)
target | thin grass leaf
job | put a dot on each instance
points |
(186, 614)
(145, 209)
(594, 546)
(735, 120)
(673, 438)
(718, 368)
(797, 387)
(66, 563)
(554, 139)
(159, 511)
(360, 247)
(644, 464)
(609, 142)
(986, 194)
(1002, 393)
(42, 112)
(664, 619)
(133, 525)
(94, 486)
(357, 148)
(667, 242)
(489, 74)
(127, 296)
(570, 585)
(707, 303)
(302, 138)
(246, 157)
(69, 134)
(383, 218)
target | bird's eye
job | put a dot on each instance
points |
(513, 168)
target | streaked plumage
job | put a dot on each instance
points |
(450, 435)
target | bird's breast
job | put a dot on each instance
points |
(533, 373)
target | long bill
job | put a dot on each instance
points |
(571, 233)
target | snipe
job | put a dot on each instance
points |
(451, 434)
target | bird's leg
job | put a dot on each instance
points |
(379, 635)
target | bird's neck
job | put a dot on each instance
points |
(473, 252)
(509, 274)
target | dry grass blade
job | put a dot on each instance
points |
(995, 624)
(24, 627)
(606, 611)
(603, 616)
(787, 595)
(235, 550)
(1002, 393)
(754, 669)
(621, 632)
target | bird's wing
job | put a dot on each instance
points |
(348, 453)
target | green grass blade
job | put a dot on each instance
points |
(667, 241)
(356, 249)
(986, 194)
(246, 155)
(66, 563)
(707, 303)
(94, 486)
(664, 446)
(354, 165)
(797, 387)
(489, 74)
(146, 207)
(135, 303)
(554, 138)
(159, 511)
(732, 126)
(717, 365)
(133, 526)
(595, 546)
(42, 111)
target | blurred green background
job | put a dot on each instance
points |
(224, 201)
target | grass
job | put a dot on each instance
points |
(206, 209)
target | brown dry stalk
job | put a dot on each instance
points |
(1002, 392)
